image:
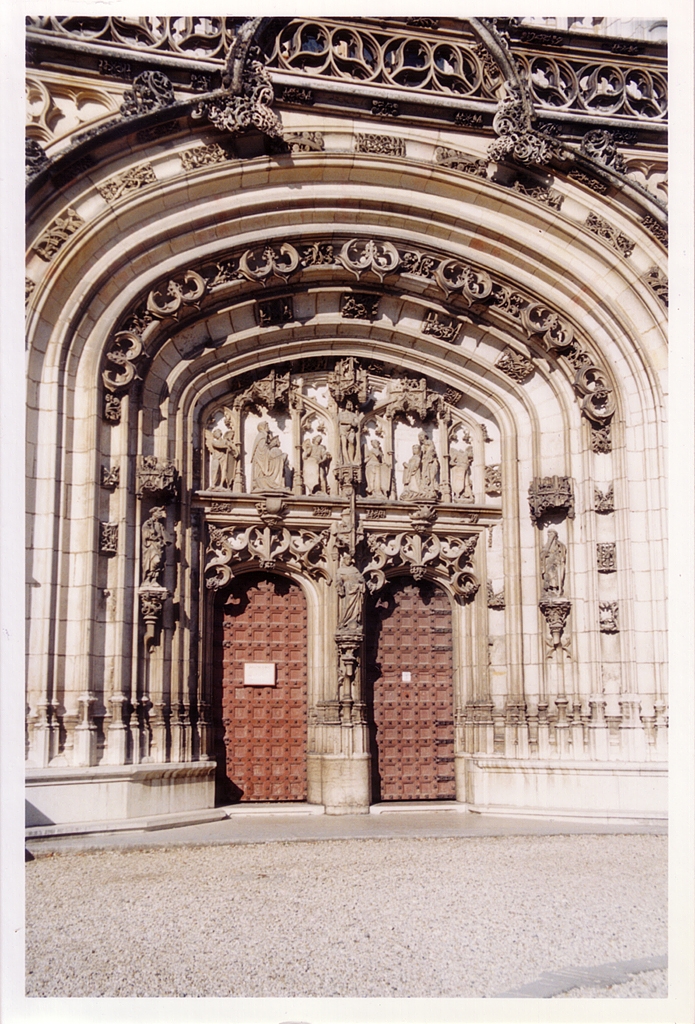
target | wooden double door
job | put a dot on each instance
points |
(261, 691)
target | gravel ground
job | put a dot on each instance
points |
(648, 985)
(376, 917)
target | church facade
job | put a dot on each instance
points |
(346, 416)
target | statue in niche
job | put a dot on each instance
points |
(553, 560)
(268, 461)
(350, 586)
(224, 454)
(348, 426)
(429, 466)
(411, 474)
(377, 472)
(154, 542)
(461, 463)
(316, 460)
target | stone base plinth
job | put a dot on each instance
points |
(57, 796)
(615, 790)
(345, 783)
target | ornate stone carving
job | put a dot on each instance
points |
(270, 262)
(600, 187)
(348, 430)
(441, 326)
(152, 600)
(360, 257)
(555, 611)
(275, 312)
(304, 142)
(604, 502)
(315, 459)
(268, 462)
(35, 158)
(385, 108)
(604, 230)
(264, 546)
(493, 480)
(548, 196)
(251, 109)
(421, 554)
(110, 476)
(601, 439)
(599, 145)
(658, 282)
(154, 542)
(300, 97)
(553, 563)
(466, 119)
(358, 306)
(112, 408)
(454, 276)
(452, 396)
(550, 494)
(495, 601)
(157, 478)
(108, 538)
(321, 511)
(185, 290)
(272, 392)
(423, 518)
(606, 557)
(126, 349)
(384, 145)
(517, 366)
(458, 161)
(348, 379)
(516, 139)
(655, 228)
(377, 472)
(413, 397)
(272, 510)
(29, 286)
(55, 237)
(130, 181)
(318, 254)
(151, 90)
(155, 132)
(204, 156)
(608, 617)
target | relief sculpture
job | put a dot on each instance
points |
(268, 461)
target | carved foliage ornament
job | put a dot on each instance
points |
(251, 109)
(55, 237)
(421, 554)
(516, 139)
(604, 230)
(302, 549)
(151, 91)
(550, 494)
(130, 181)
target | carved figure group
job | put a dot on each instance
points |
(268, 461)
(421, 471)
(224, 452)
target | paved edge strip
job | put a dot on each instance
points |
(554, 983)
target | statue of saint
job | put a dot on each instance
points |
(154, 542)
(348, 427)
(411, 474)
(553, 559)
(316, 459)
(268, 461)
(377, 473)
(429, 466)
(224, 453)
(461, 463)
(350, 585)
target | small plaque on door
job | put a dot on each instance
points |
(406, 677)
(259, 673)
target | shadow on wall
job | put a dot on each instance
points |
(33, 816)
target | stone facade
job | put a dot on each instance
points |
(346, 338)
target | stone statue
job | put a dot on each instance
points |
(268, 461)
(429, 466)
(553, 559)
(350, 585)
(377, 472)
(461, 463)
(411, 474)
(154, 542)
(316, 460)
(348, 426)
(224, 453)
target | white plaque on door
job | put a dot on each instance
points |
(406, 677)
(259, 673)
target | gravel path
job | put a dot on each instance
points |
(375, 917)
(649, 985)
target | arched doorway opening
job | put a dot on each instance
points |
(409, 680)
(260, 691)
